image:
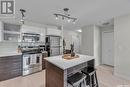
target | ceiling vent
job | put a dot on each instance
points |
(106, 23)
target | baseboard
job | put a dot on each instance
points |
(122, 76)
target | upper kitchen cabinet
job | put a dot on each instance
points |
(30, 29)
(10, 32)
(53, 31)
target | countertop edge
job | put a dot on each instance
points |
(64, 68)
(10, 54)
(56, 65)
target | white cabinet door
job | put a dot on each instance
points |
(52, 31)
(25, 29)
(30, 29)
(1, 31)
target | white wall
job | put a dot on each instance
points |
(87, 46)
(72, 37)
(7, 47)
(91, 42)
(122, 46)
(97, 45)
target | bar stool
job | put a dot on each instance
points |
(91, 80)
(77, 80)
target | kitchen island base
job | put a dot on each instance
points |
(57, 77)
(54, 76)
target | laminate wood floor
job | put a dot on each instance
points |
(105, 78)
(34, 80)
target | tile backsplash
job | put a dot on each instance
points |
(8, 47)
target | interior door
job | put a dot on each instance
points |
(108, 48)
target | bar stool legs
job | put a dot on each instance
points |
(96, 79)
(83, 84)
(93, 80)
(92, 76)
(90, 81)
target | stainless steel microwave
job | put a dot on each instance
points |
(30, 37)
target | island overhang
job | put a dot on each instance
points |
(65, 64)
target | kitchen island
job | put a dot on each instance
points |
(58, 69)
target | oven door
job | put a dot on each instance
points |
(32, 63)
(39, 58)
(26, 61)
(38, 61)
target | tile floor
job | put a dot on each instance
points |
(105, 78)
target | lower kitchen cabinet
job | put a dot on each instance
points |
(44, 55)
(10, 67)
(43, 64)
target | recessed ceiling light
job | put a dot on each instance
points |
(56, 17)
(79, 30)
(68, 20)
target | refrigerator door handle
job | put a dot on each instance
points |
(51, 51)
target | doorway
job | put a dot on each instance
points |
(108, 48)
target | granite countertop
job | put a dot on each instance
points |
(9, 54)
(65, 64)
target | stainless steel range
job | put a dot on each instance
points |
(32, 62)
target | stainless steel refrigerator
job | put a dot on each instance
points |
(53, 45)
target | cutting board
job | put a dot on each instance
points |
(69, 57)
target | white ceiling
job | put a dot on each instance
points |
(87, 11)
